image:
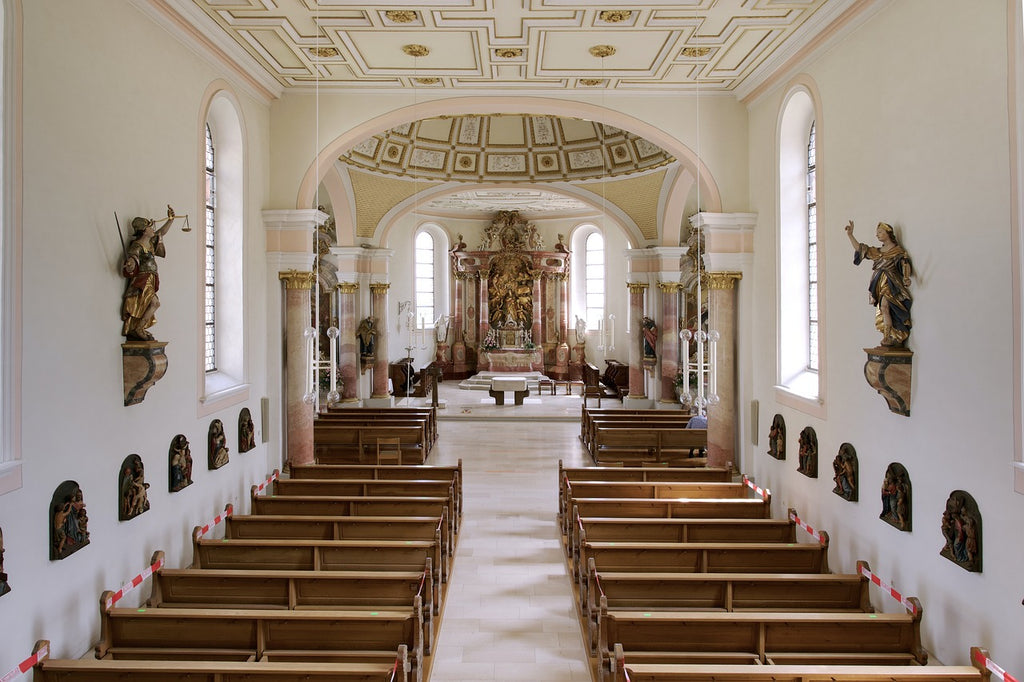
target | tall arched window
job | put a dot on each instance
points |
(210, 289)
(424, 276)
(221, 306)
(800, 333)
(595, 277)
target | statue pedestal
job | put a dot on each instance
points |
(888, 371)
(143, 364)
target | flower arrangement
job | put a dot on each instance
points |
(528, 343)
(490, 341)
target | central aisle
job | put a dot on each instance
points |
(509, 613)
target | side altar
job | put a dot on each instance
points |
(511, 302)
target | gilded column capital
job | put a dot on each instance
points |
(669, 287)
(348, 287)
(377, 288)
(297, 279)
(463, 276)
(637, 287)
(724, 280)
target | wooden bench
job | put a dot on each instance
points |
(344, 528)
(699, 557)
(389, 412)
(324, 421)
(312, 487)
(673, 509)
(356, 506)
(259, 589)
(110, 670)
(337, 443)
(723, 592)
(690, 637)
(677, 530)
(648, 443)
(590, 417)
(329, 636)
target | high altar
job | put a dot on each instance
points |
(511, 302)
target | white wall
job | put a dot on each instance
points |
(913, 132)
(111, 114)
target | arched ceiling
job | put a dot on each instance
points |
(506, 148)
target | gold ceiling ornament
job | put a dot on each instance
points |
(614, 16)
(696, 51)
(401, 16)
(508, 52)
(416, 50)
(324, 52)
(602, 50)
(427, 81)
(591, 81)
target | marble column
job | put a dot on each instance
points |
(483, 311)
(297, 286)
(538, 310)
(459, 367)
(379, 304)
(348, 346)
(722, 417)
(637, 389)
(669, 344)
(563, 308)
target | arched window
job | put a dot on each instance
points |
(595, 277)
(800, 334)
(221, 302)
(10, 245)
(210, 289)
(424, 276)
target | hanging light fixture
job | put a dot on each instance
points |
(700, 370)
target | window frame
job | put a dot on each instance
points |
(797, 385)
(442, 271)
(578, 250)
(210, 260)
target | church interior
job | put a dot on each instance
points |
(514, 212)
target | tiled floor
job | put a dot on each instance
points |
(509, 613)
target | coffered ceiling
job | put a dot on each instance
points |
(510, 45)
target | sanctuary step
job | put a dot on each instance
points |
(482, 380)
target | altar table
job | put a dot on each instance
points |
(517, 385)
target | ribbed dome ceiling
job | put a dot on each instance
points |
(506, 148)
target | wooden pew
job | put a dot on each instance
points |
(353, 444)
(647, 443)
(269, 527)
(429, 412)
(754, 508)
(320, 555)
(690, 637)
(659, 672)
(356, 506)
(723, 592)
(699, 557)
(677, 530)
(422, 472)
(258, 589)
(359, 420)
(588, 415)
(312, 487)
(170, 634)
(657, 490)
(112, 670)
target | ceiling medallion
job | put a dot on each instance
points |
(324, 52)
(602, 50)
(427, 81)
(416, 50)
(696, 51)
(508, 52)
(401, 16)
(591, 81)
(614, 16)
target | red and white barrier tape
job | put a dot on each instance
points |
(888, 588)
(133, 583)
(984, 661)
(27, 664)
(813, 533)
(273, 477)
(220, 517)
(763, 492)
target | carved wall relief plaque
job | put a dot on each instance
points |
(179, 462)
(133, 495)
(896, 497)
(961, 527)
(846, 473)
(5, 586)
(217, 454)
(246, 431)
(69, 531)
(777, 438)
(808, 454)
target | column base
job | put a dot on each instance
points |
(639, 403)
